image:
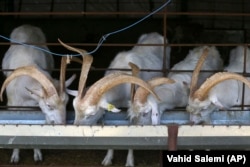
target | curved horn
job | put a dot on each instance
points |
(75, 59)
(135, 73)
(80, 51)
(141, 94)
(135, 69)
(95, 92)
(35, 74)
(62, 74)
(204, 89)
(195, 75)
(87, 61)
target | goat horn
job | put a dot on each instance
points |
(135, 73)
(95, 92)
(141, 94)
(80, 51)
(75, 59)
(35, 74)
(204, 89)
(87, 61)
(62, 74)
(195, 75)
(135, 69)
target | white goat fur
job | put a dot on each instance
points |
(176, 94)
(17, 93)
(226, 94)
(145, 57)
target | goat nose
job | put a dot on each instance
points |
(191, 122)
(76, 123)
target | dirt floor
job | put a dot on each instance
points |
(82, 158)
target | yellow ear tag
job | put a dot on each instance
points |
(110, 107)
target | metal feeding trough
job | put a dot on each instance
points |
(25, 129)
(109, 118)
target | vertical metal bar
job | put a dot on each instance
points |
(244, 74)
(164, 65)
(161, 158)
(172, 137)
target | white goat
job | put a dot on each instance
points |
(145, 109)
(145, 57)
(30, 84)
(222, 90)
(89, 108)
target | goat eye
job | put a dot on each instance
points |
(87, 116)
(50, 107)
(198, 114)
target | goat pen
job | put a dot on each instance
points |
(81, 23)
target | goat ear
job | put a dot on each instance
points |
(70, 80)
(72, 92)
(217, 103)
(186, 84)
(37, 93)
